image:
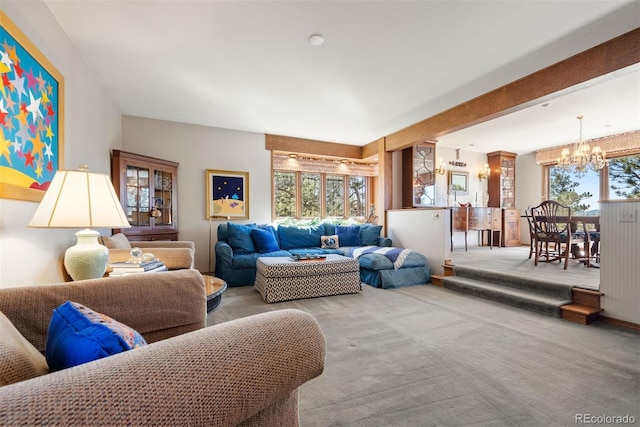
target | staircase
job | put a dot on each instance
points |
(542, 296)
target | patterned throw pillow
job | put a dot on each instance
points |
(329, 242)
(78, 335)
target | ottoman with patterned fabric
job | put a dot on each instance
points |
(283, 279)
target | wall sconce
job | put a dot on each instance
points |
(484, 172)
(440, 169)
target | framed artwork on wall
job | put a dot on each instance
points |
(31, 115)
(459, 183)
(227, 194)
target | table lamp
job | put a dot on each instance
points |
(77, 199)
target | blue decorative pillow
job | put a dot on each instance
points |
(79, 335)
(300, 237)
(369, 234)
(265, 239)
(240, 238)
(348, 235)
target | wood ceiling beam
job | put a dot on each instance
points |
(556, 80)
(312, 147)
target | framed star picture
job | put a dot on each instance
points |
(227, 194)
(31, 116)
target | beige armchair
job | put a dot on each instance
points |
(242, 372)
(175, 255)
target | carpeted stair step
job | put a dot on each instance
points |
(521, 298)
(558, 290)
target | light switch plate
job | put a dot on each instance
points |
(627, 215)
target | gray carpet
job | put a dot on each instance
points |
(428, 356)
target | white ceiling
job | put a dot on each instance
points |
(385, 65)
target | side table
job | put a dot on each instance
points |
(214, 288)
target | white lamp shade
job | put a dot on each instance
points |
(78, 199)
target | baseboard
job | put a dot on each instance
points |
(619, 322)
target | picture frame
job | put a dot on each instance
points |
(459, 183)
(227, 194)
(33, 107)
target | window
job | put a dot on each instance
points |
(624, 178)
(620, 179)
(578, 190)
(357, 196)
(285, 189)
(311, 190)
(318, 193)
(335, 196)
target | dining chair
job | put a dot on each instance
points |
(552, 226)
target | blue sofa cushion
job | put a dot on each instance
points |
(249, 260)
(265, 239)
(78, 335)
(381, 262)
(300, 237)
(369, 234)
(240, 238)
(348, 235)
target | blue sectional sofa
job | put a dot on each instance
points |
(239, 247)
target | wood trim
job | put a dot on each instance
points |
(407, 177)
(371, 149)
(312, 147)
(619, 322)
(556, 80)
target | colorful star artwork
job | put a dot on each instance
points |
(31, 116)
(227, 194)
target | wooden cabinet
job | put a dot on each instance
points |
(147, 188)
(502, 194)
(464, 219)
(502, 180)
(510, 227)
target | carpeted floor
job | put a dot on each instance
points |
(428, 356)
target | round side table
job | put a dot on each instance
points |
(214, 288)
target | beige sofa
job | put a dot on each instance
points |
(242, 372)
(175, 255)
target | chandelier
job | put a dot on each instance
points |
(583, 156)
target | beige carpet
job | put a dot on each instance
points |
(427, 356)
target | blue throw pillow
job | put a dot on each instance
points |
(79, 335)
(265, 239)
(300, 237)
(369, 234)
(240, 238)
(348, 235)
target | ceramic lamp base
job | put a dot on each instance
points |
(88, 259)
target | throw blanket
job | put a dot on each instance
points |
(396, 255)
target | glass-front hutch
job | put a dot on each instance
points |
(147, 188)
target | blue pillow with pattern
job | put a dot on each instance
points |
(79, 335)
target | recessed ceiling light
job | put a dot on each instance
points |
(316, 39)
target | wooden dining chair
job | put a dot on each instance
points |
(552, 232)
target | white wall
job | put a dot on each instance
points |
(198, 148)
(91, 128)
(528, 189)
